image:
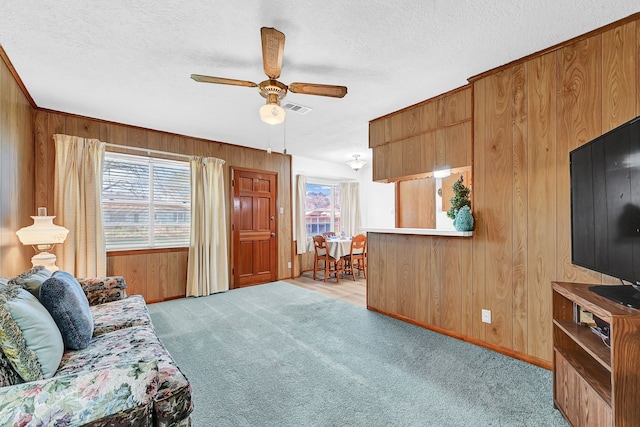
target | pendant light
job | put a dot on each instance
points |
(356, 164)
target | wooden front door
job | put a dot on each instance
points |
(254, 227)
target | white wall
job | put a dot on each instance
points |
(377, 201)
(443, 222)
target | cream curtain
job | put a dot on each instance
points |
(349, 208)
(78, 205)
(301, 226)
(208, 266)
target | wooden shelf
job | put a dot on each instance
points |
(593, 384)
(591, 343)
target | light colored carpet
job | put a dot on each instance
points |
(280, 355)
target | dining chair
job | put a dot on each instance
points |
(356, 259)
(328, 234)
(322, 254)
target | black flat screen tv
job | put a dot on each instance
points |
(605, 210)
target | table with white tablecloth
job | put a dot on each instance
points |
(337, 247)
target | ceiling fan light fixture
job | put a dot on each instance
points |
(272, 114)
(356, 164)
(271, 89)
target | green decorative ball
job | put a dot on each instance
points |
(464, 219)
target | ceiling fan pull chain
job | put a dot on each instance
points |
(268, 139)
(284, 139)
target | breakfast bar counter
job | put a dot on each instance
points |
(423, 276)
(420, 231)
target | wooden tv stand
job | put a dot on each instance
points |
(594, 385)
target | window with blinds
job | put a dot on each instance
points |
(146, 202)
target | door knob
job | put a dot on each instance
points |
(273, 234)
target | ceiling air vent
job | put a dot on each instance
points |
(296, 108)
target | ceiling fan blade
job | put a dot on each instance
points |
(272, 51)
(222, 81)
(320, 90)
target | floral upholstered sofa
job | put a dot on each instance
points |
(122, 376)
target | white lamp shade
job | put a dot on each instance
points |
(356, 164)
(272, 114)
(42, 232)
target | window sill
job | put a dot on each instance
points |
(125, 252)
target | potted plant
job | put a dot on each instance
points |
(460, 210)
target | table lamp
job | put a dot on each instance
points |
(43, 235)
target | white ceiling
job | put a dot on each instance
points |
(130, 61)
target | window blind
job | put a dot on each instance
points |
(146, 202)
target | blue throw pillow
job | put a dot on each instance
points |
(29, 337)
(62, 295)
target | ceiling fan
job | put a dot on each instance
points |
(272, 89)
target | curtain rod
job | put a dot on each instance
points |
(148, 150)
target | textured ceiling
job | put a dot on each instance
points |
(130, 61)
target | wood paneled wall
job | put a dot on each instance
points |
(16, 173)
(160, 275)
(424, 279)
(528, 116)
(434, 134)
(304, 262)
(416, 203)
(408, 145)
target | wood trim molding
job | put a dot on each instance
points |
(17, 78)
(497, 348)
(126, 252)
(425, 175)
(243, 169)
(565, 43)
(398, 204)
(413, 135)
(167, 299)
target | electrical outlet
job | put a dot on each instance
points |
(486, 316)
(289, 264)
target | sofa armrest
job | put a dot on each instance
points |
(104, 289)
(120, 395)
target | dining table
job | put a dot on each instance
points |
(337, 247)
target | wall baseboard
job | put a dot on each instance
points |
(497, 348)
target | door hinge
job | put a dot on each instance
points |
(233, 182)
(233, 227)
